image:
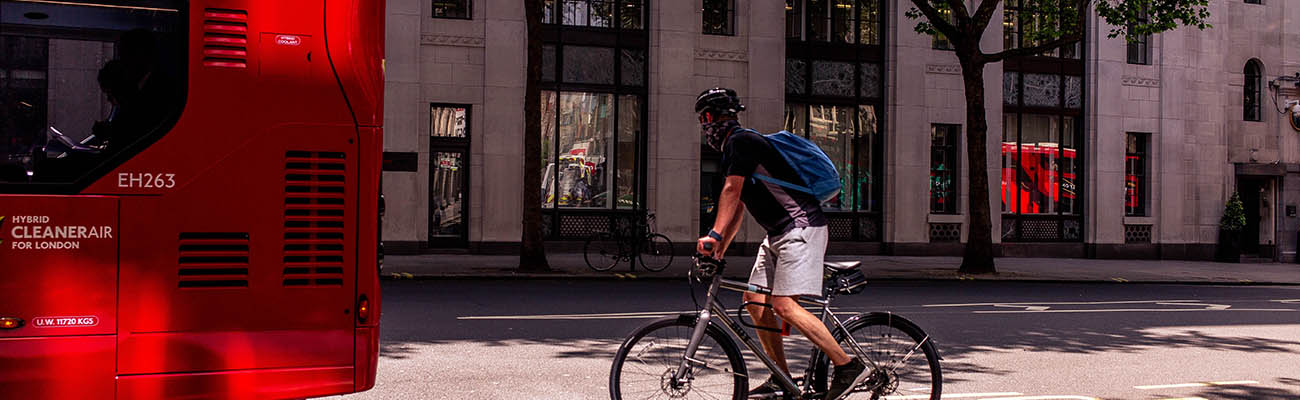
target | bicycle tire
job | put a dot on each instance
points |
(660, 252)
(870, 330)
(602, 252)
(664, 341)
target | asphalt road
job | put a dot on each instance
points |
(555, 339)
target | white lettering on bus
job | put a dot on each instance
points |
(61, 232)
(146, 180)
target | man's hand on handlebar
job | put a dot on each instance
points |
(706, 245)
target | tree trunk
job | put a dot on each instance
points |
(532, 253)
(978, 257)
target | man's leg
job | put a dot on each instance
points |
(765, 317)
(788, 308)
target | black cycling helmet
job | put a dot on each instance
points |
(719, 101)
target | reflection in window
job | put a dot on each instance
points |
(719, 17)
(849, 147)
(451, 9)
(1139, 48)
(451, 122)
(75, 92)
(625, 14)
(943, 168)
(836, 21)
(586, 166)
(1135, 175)
(1039, 170)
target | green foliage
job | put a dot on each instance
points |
(1043, 21)
(1234, 215)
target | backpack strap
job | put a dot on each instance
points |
(782, 183)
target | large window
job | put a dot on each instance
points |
(834, 95)
(835, 21)
(452, 9)
(938, 41)
(1018, 20)
(1252, 102)
(1135, 174)
(85, 84)
(593, 106)
(720, 17)
(625, 14)
(944, 140)
(1139, 48)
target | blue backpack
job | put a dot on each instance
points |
(809, 162)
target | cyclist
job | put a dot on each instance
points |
(790, 258)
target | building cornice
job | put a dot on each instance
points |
(448, 40)
(945, 69)
(1140, 82)
(720, 55)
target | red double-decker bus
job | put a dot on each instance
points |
(189, 197)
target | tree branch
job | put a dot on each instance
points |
(959, 10)
(937, 20)
(983, 14)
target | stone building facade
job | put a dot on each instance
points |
(1109, 149)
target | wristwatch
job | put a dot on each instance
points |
(715, 235)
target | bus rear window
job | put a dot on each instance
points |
(84, 85)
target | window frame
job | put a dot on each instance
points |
(728, 12)
(1139, 49)
(951, 154)
(1142, 176)
(553, 15)
(180, 94)
(1252, 91)
(827, 17)
(467, 4)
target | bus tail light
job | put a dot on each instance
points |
(363, 309)
(10, 323)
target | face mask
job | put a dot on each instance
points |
(715, 133)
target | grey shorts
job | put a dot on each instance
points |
(791, 263)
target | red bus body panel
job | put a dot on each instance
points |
(173, 316)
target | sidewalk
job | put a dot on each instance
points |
(572, 266)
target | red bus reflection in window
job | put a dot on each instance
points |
(1038, 184)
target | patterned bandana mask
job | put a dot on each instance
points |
(715, 133)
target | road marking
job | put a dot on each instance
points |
(1186, 398)
(1288, 301)
(953, 396)
(1045, 307)
(1194, 384)
(1120, 280)
(1064, 303)
(630, 315)
(1048, 397)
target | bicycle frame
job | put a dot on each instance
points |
(714, 309)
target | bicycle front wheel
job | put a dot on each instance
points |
(907, 362)
(656, 253)
(601, 251)
(645, 364)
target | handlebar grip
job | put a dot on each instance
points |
(708, 246)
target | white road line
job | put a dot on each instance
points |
(952, 396)
(1194, 384)
(1048, 397)
(1064, 303)
(1186, 398)
(1131, 310)
(649, 314)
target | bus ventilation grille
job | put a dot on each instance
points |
(225, 38)
(314, 185)
(213, 260)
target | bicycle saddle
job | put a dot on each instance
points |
(837, 266)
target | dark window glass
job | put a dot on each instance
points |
(848, 135)
(943, 168)
(720, 17)
(1254, 2)
(1251, 102)
(630, 14)
(793, 19)
(451, 9)
(84, 84)
(939, 41)
(836, 21)
(1135, 175)
(1139, 49)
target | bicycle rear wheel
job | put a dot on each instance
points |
(644, 365)
(601, 251)
(907, 360)
(656, 253)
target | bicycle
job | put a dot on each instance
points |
(695, 354)
(604, 250)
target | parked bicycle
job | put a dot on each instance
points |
(604, 250)
(694, 355)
